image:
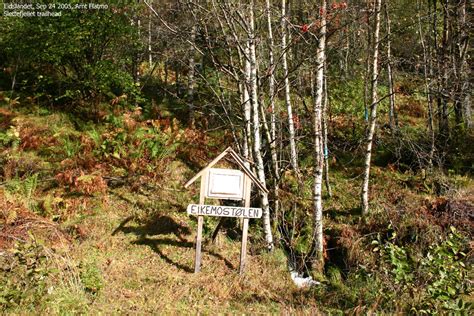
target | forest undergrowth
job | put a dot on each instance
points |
(355, 115)
(93, 220)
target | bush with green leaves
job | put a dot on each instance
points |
(10, 138)
(23, 189)
(439, 277)
(142, 142)
(84, 55)
(91, 277)
(23, 273)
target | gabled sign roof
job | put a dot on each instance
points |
(238, 160)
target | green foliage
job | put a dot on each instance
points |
(82, 55)
(143, 142)
(69, 300)
(91, 277)
(401, 264)
(10, 138)
(447, 272)
(23, 189)
(23, 274)
(440, 275)
(70, 145)
(347, 97)
(158, 144)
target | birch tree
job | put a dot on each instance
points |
(392, 111)
(271, 92)
(291, 126)
(150, 53)
(428, 73)
(253, 86)
(325, 132)
(246, 102)
(462, 103)
(373, 112)
(191, 70)
(318, 136)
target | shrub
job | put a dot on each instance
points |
(439, 277)
(23, 275)
(91, 277)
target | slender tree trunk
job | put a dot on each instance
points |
(14, 76)
(373, 112)
(256, 130)
(318, 138)
(392, 110)
(444, 73)
(427, 67)
(291, 126)
(347, 48)
(191, 77)
(135, 60)
(271, 91)
(436, 70)
(464, 93)
(247, 104)
(367, 65)
(325, 132)
(150, 57)
(245, 144)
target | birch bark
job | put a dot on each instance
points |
(392, 111)
(291, 126)
(247, 103)
(373, 112)
(428, 74)
(191, 77)
(150, 57)
(325, 132)
(271, 92)
(256, 130)
(318, 137)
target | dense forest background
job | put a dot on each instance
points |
(356, 115)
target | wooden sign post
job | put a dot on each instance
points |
(197, 260)
(227, 184)
(245, 226)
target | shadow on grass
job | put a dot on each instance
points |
(163, 225)
(338, 213)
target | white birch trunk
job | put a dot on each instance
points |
(291, 126)
(325, 132)
(191, 77)
(247, 103)
(392, 110)
(318, 138)
(150, 57)
(367, 67)
(256, 131)
(271, 91)
(427, 71)
(373, 112)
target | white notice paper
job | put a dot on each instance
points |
(226, 184)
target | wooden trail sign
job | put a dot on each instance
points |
(226, 184)
(224, 211)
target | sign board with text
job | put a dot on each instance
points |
(224, 211)
(225, 184)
